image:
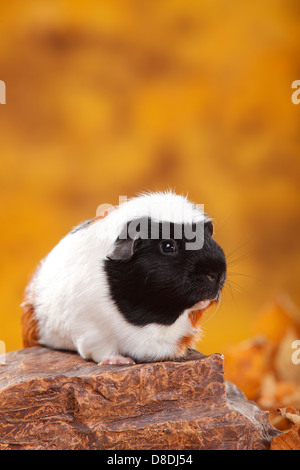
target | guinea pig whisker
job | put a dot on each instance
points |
(217, 308)
(238, 248)
(230, 262)
(230, 273)
(228, 288)
(237, 287)
(240, 257)
(148, 273)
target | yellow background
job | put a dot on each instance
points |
(113, 97)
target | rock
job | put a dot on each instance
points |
(57, 400)
(287, 441)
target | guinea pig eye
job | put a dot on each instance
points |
(168, 247)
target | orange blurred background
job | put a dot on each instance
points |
(115, 97)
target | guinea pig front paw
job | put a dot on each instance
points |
(116, 360)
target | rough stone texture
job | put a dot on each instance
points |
(287, 441)
(56, 400)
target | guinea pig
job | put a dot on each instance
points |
(128, 287)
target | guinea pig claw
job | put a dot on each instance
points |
(116, 360)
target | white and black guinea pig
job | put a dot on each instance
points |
(130, 286)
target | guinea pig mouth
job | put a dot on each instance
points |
(201, 305)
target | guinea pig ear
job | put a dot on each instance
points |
(210, 227)
(123, 250)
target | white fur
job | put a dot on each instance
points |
(71, 294)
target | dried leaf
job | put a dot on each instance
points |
(276, 318)
(262, 366)
(285, 369)
(267, 393)
(247, 363)
(291, 414)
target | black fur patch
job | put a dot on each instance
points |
(156, 287)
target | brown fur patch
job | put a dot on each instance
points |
(101, 216)
(29, 324)
(187, 341)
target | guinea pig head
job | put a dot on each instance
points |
(153, 278)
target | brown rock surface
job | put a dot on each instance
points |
(56, 400)
(287, 441)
